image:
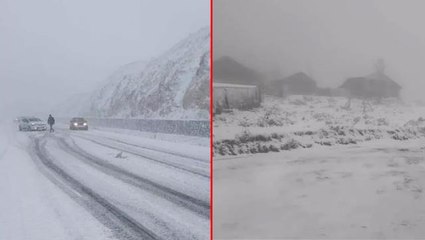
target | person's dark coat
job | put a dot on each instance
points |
(51, 120)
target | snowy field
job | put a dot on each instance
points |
(309, 121)
(102, 184)
(372, 190)
(313, 168)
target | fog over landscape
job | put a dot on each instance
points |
(104, 119)
(51, 50)
(318, 131)
(331, 40)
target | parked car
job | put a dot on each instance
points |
(78, 123)
(32, 124)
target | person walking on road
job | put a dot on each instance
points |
(51, 122)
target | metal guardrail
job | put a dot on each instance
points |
(182, 127)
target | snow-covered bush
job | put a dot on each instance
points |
(298, 102)
(291, 144)
(315, 120)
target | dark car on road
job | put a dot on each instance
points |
(78, 123)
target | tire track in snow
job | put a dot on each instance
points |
(173, 153)
(190, 203)
(169, 164)
(119, 222)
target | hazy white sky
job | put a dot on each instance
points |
(329, 39)
(50, 49)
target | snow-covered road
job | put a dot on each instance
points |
(101, 185)
(373, 190)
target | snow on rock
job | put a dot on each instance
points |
(302, 122)
(172, 86)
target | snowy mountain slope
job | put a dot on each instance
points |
(172, 86)
(114, 86)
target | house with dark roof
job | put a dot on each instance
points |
(376, 85)
(228, 70)
(296, 84)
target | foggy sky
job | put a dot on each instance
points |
(328, 39)
(51, 49)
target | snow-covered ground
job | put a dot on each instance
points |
(330, 172)
(298, 113)
(371, 190)
(102, 184)
(306, 121)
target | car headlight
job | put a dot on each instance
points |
(75, 124)
(85, 124)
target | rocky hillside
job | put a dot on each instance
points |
(173, 86)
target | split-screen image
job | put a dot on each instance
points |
(318, 119)
(212, 119)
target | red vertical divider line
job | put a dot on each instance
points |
(211, 122)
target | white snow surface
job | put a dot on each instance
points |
(312, 113)
(31, 206)
(274, 179)
(308, 121)
(127, 134)
(372, 190)
(37, 204)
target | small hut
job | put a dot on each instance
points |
(296, 84)
(376, 85)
